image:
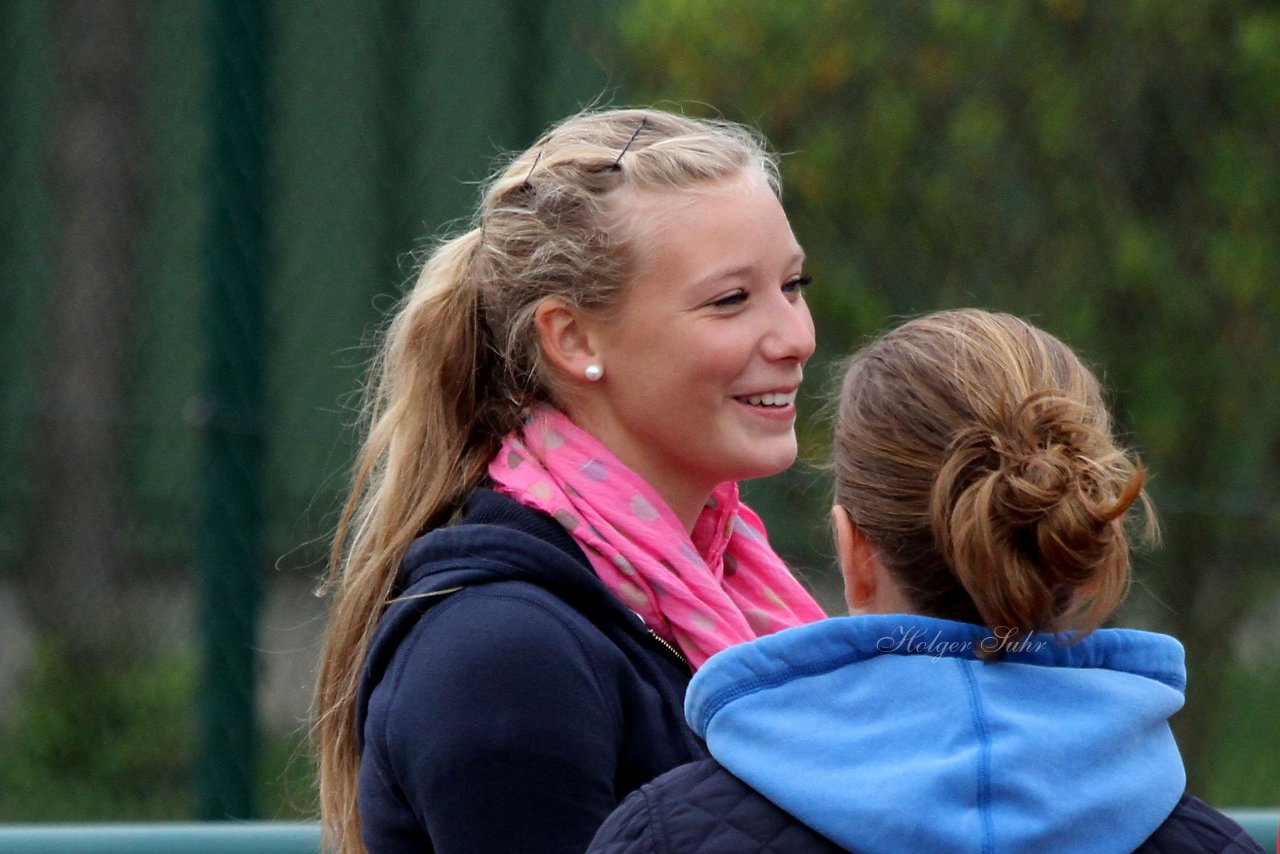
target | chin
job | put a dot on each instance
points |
(768, 464)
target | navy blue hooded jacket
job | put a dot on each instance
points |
(509, 700)
(886, 733)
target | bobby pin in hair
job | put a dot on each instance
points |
(617, 164)
(526, 185)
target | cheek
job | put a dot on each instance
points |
(723, 356)
(693, 364)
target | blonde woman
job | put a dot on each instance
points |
(544, 538)
(970, 703)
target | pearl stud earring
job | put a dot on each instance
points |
(594, 372)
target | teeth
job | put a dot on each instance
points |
(771, 399)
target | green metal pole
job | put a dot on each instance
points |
(231, 411)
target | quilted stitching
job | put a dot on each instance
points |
(1195, 827)
(701, 808)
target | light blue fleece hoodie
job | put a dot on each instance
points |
(885, 734)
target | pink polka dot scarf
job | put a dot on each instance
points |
(721, 586)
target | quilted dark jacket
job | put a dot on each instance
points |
(700, 808)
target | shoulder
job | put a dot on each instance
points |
(487, 643)
(495, 671)
(500, 613)
(483, 596)
(1194, 826)
(700, 806)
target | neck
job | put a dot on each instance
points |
(686, 504)
(685, 496)
(685, 499)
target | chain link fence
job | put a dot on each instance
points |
(207, 205)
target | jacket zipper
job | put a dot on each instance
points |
(669, 647)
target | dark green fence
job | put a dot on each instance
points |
(207, 205)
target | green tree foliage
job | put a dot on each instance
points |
(1109, 170)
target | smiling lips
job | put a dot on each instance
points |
(777, 399)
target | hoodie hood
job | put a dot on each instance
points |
(496, 540)
(885, 734)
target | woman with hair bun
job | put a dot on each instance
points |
(544, 537)
(970, 702)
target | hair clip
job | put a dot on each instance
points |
(525, 185)
(617, 164)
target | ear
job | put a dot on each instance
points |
(859, 564)
(565, 336)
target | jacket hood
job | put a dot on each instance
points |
(885, 734)
(497, 540)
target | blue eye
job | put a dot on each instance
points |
(797, 284)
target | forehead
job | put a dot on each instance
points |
(688, 235)
(655, 215)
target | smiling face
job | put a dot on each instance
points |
(704, 357)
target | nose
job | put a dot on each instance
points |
(791, 335)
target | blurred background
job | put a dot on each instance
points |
(208, 206)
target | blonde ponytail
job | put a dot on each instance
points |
(419, 460)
